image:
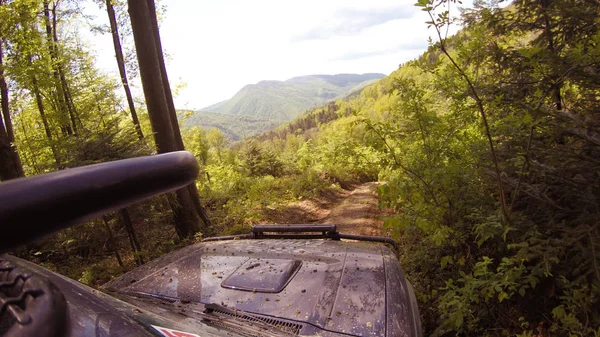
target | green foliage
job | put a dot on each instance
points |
(258, 162)
(234, 127)
(98, 273)
(478, 270)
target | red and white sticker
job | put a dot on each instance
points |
(173, 333)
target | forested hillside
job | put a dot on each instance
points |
(487, 147)
(234, 127)
(261, 107)
(284, 100)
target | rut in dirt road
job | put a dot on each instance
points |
(358, 213)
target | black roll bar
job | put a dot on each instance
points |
(31, 208)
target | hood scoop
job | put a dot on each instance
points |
(262, 275)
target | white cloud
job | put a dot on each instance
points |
(352, 21)
(217, 47)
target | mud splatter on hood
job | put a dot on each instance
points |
(354, 288)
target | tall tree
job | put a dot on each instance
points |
(10, 162)
(42, 110)
(114, 29)
(133, 241)
(193, 190)
(112, 242)
(61, 72)
(158, 100)
(28, 48)
(68, 124)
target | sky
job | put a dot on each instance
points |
(216, 47)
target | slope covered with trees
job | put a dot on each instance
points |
(284, 100)
(234, 127)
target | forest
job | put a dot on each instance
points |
(487, 148)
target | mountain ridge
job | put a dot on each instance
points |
(284, 100)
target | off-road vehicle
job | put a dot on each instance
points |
(278, 280)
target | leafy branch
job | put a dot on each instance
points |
(397, 163)
(443, 19)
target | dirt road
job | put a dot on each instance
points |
(354, 212)
(358, 213)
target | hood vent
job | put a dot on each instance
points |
(289, 327)
(263, 275)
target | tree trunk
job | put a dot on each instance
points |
(9, 168)
(10, 162)
(40, 105)
(4, 99)
(133, 241)
(193, 190)
(164, 77)
(187, 219)
(63, 80)
(113, 243)
(556, 86)
(60, 95)
(68, 124)
(150, 74)
(114, 28)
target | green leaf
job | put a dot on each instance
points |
(559, 312)
(445, 260)
(502, 296)
(391, 222)
(459, 321)
(522, 291)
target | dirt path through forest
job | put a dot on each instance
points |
(354, 212)
(358, 213)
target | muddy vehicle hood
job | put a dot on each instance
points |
(353, 288)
